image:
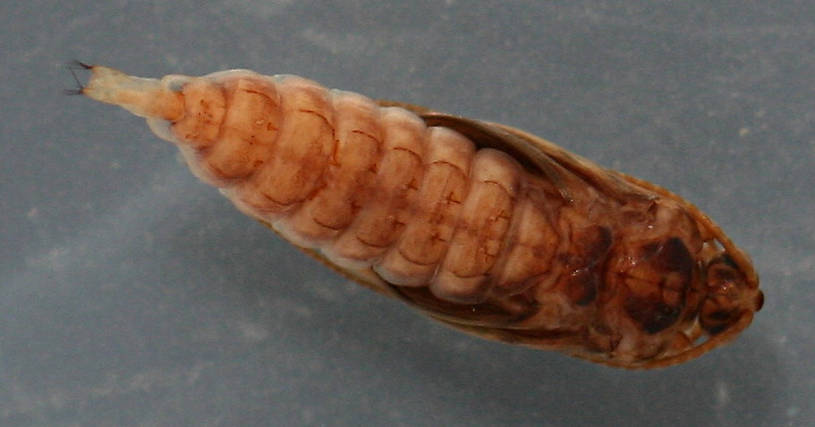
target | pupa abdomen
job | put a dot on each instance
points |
(482, 226)
(367, 186)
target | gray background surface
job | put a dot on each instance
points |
(131, 294)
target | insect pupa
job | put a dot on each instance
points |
(481, 226)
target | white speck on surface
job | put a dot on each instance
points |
(324, 291)
(337, 44)
(805, 265)
(722, 394)
(23, 401)
(252, 332)
(54, 259)
(781, 339)
(286, 307)
(263, 9)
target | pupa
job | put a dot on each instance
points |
(481, 226)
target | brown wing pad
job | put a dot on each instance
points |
(611, 183)
(484, 134)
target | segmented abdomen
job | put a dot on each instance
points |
(369, 185)
(526, 244)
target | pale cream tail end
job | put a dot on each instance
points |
(144, 97)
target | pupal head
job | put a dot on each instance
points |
(731, 293)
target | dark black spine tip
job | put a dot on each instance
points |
(73, 67)
(76, 64)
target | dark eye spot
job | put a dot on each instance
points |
(653, 315)
(583, 286)
(674, 256)
(664, 273)
(591, 246)
(717, 314)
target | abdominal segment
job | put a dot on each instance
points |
(368, 186)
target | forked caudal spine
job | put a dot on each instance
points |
(482, 226)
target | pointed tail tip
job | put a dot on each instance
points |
(144, 97)
(73, 67)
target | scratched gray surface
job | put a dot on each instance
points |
(133, 295)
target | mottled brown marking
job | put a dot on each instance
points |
(653, 314)
(590, 247)
(668, 265)
(251, 124)
(205, 108)
(582, 286)
(722, 306)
